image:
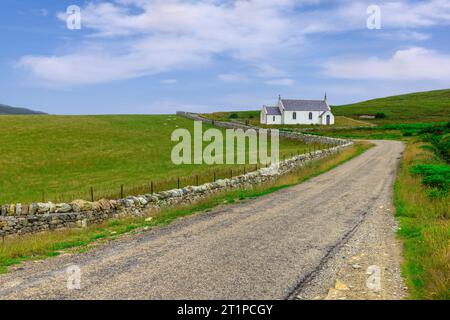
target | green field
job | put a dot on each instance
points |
(251, 116)
(59, 158)
(431, 106)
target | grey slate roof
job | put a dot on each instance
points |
(304, 105)
(273, 111)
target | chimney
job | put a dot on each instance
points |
(325, 99)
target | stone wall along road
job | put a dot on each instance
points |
(272, 247)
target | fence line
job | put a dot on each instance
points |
(195, 178)
(121, 191)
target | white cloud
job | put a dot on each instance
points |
(405, 35)
(416, 14)
(348, 15)
(167, 35)
(410, 64)
(280, 82)
(133, 38)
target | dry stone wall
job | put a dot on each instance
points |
(18, 219)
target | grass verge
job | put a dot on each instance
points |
(424, 228)
(14, 250)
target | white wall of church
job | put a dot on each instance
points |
(302, 117)
(324, 118)
(273, 119)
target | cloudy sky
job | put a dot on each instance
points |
(159, 56)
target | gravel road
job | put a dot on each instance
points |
(294, 243)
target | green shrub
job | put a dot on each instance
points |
(233, 116)
(443, 147)
(434, 176)
(380, 115)
(435, 181)
(419, 126)
(436, 193)
(439, 137)
(439, 129)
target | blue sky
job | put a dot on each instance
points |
(159, 56)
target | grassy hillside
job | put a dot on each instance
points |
(431, 106)
(408, 108)
(4, 109)
(60, 157)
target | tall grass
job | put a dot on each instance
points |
(425, 229)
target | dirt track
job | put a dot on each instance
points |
(293, 243)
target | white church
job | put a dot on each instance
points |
(298, 112)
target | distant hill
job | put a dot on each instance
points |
(4, 109)
(427, 106)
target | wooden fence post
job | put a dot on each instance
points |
(92, 194)
(121, 191)
(151, 187)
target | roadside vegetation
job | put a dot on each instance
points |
(423, 210)
(422, 202)
(59, 158)
(14, 250)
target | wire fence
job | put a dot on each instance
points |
(93, 193)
